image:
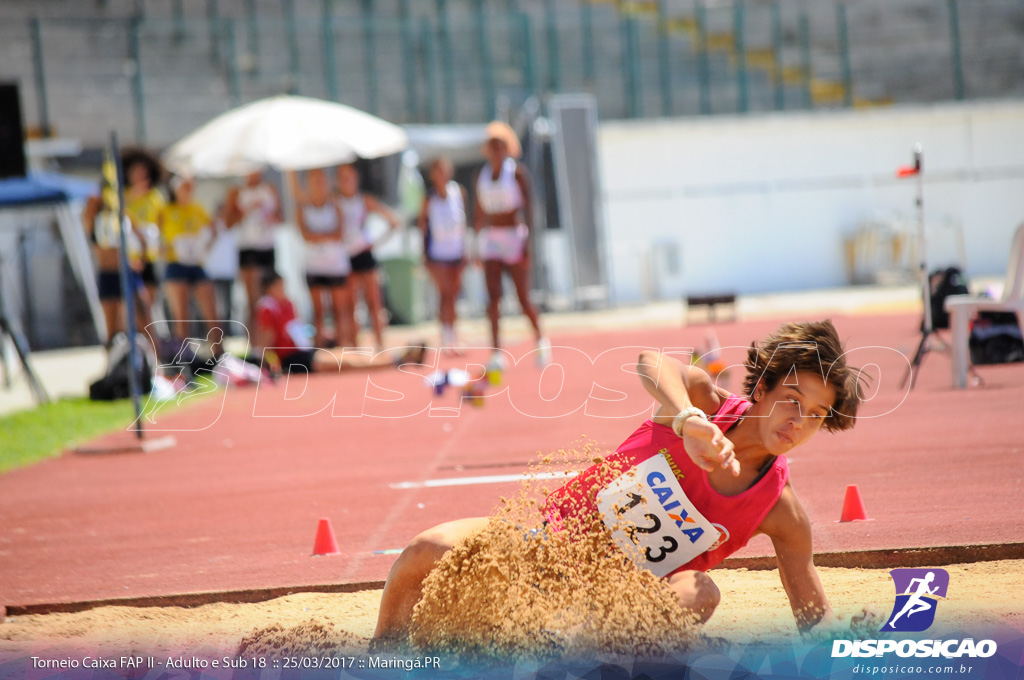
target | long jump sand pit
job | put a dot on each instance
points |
(754, 609)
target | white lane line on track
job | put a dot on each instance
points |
(490, 479)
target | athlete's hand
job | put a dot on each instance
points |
(708, 447)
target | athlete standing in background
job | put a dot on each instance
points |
(327, 260)
(258, 207)
(503, 222)
(186, 232)
(103, 233)
(143, 201)
(443, 223)
(355, 207)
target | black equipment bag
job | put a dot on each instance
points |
(945, 282)
(996, 339)
(114, 385)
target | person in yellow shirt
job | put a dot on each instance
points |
(185, 237)
(142, 204)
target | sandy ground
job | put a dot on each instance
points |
(754, 608)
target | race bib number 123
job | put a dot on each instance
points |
(652, 520)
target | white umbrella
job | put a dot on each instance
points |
(285, 133)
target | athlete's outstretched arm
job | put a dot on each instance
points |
(677, 386)
(790, 530)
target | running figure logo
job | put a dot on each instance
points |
(917, 595)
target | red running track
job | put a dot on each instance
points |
(235, 504)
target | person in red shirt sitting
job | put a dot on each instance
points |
(282, 340)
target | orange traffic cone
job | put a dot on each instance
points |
(853, 506)
(325, 543)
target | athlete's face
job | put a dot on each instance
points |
(348, 180)
(316, 180)
(183, 192)
(440, 173)
(253, 179)
(793, 411)
(276, 290)
(497, 149)
(138, 176)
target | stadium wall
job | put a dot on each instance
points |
(757, 204)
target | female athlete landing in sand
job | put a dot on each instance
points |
(720, 478)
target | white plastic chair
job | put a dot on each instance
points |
(962, 308)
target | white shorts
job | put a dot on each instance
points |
(505, 244)
(327, 259)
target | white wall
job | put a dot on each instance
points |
(763, 203)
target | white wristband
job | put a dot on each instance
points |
(680, 419)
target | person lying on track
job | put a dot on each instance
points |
(282, 342)
(717, 464)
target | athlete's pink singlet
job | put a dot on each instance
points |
(738, 515)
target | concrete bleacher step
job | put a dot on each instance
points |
(890, 40)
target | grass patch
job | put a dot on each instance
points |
(46, 431)
(29, 436)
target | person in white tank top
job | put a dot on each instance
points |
(101, 229)
(255, 208)
(327, 261)
(443, 224)
(355, 206)
(503, 221)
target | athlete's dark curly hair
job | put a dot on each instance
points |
(131, 156)
(807, 346)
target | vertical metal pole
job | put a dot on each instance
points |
(370, 55)
(529, 67)
(253, 34)
(919, 164)
(664, 60)
(587, 38)
(407, 38)
(428, 58)
(777, 79)
(554, 54)
(805, 55)
(231, 54)
(178, 13)
(630, 67)
(138, 95)
(486, 65)
(330, 70)
(740, 47)
(954, 40)
(127, 289)
(703, 61)
(447, 61)
(213, 29)
(844, 55)
(39, 71)
(293, 46)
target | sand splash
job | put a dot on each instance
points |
(520, 590)
(312, 638)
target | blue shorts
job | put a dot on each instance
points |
(187, 273)
(108, 284)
